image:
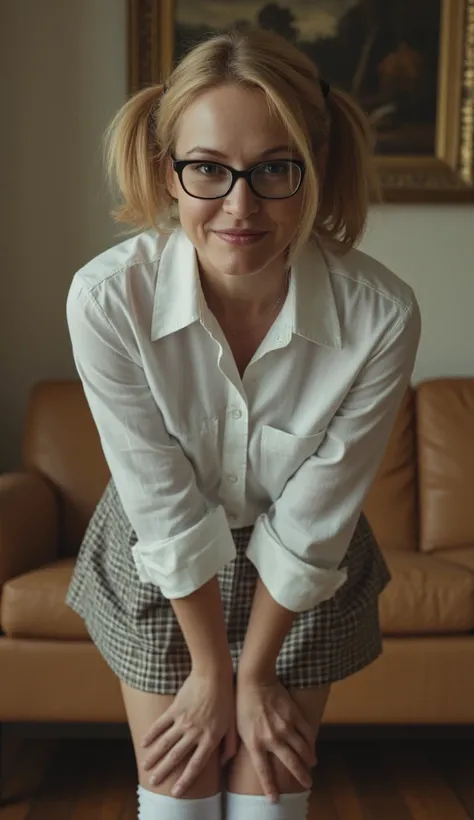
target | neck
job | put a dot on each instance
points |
(245, 297)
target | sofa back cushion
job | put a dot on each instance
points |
(62, 443)
(445, 420)
(392, 505)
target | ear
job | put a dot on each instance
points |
(171, 184)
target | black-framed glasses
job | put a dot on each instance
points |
(274, 179)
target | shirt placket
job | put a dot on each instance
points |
(234, 456)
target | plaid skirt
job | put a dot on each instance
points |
(136, 631)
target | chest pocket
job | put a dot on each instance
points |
(282, 454)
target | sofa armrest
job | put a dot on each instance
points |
(29, 524)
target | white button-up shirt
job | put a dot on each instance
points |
(196, 451)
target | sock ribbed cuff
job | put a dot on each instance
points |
(258, 807)
(153, 806)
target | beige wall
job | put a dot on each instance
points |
(432, 248)
(63, 75)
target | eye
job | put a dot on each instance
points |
(207, 169)
(275, 168)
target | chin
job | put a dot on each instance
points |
(242, 267)
(244, 261)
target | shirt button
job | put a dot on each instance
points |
(236, 414)
(233, 479)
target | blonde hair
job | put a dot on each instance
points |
(141, 136)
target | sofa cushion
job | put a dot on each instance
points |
(464, 557)
(33, 605)
(445, 418)
(427, 595)
(391, 505)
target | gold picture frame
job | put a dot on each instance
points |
(444, 175)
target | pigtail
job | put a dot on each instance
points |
(133, 159)
(350, 178)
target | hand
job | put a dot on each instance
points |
(269, 720)
(200, 717)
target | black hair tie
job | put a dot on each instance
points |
(325, 87)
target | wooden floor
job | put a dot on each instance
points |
(84, 779)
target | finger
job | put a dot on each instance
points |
(158, 727)
(306, 731)
(264, 772)
(164, 745)
(300, 746)
(301, 722)
(178, 753)
(293, 763)
(194, 768)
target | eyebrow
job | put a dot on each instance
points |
(214, 153)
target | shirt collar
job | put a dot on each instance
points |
(315, 315)
(178, 293)
(310, 310)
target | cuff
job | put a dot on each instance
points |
(293, 583)
(183, 563)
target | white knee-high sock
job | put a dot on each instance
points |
(153, 806)
(256, 807)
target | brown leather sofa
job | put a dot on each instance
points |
(421, 507)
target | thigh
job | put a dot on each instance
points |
(142, 709)
(242, 778)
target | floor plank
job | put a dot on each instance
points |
(373, 782)
(91, 779)
(120, 786)
(321, 804)
(24, 776)
(422, 784)
(345, 798)
(456, 762)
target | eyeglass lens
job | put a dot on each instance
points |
(274, 180)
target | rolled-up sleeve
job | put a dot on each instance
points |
(182, 541)
(298, 545)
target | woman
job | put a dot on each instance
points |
(244, 365)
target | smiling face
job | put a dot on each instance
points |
(233, 125)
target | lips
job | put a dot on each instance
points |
(240, 233)
(241, 238)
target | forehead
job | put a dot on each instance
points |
(230, 119)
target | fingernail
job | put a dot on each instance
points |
(176, 790)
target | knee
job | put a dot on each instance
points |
(206, 785)
(243, 779)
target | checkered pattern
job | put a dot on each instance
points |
(136, 630)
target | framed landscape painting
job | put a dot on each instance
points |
(409, 63)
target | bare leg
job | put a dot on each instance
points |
(142, 709)
(242, 778)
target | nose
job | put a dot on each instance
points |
(241, 201)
